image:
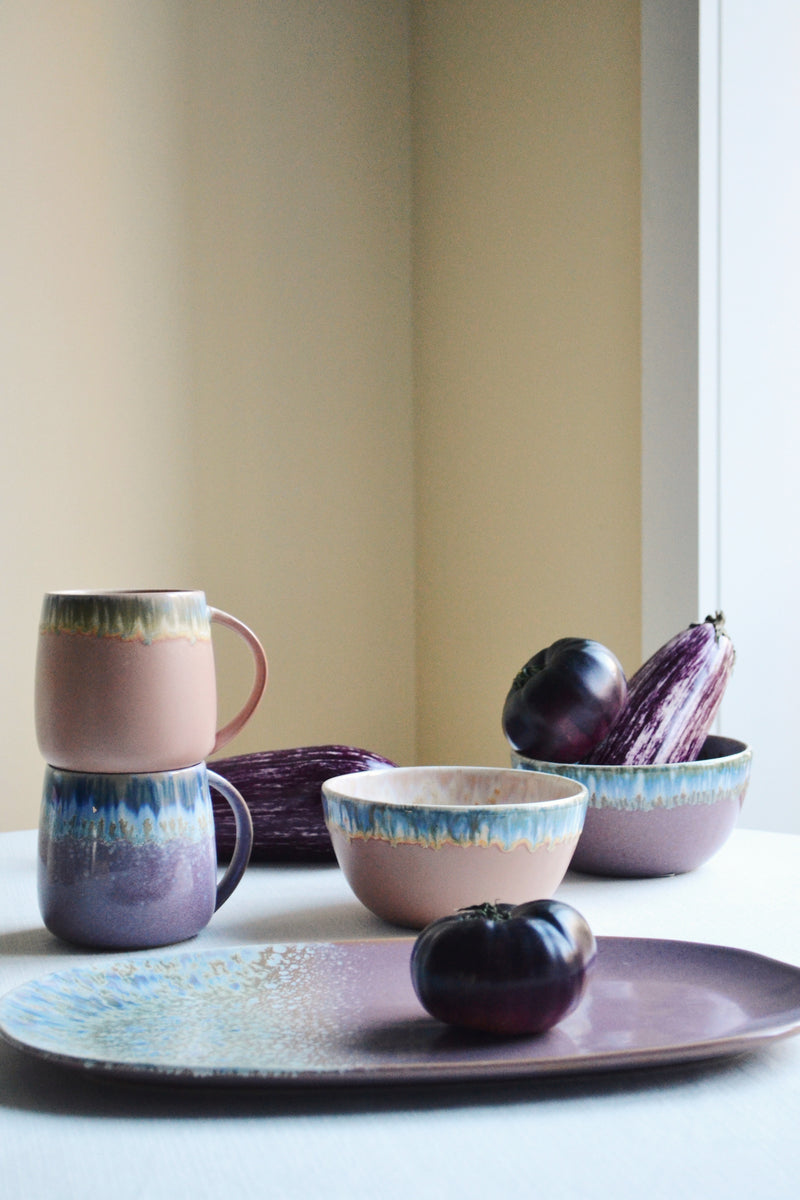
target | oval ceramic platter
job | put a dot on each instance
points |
(345, 1013)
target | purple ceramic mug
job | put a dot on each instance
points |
(128, 861)
(126, 681)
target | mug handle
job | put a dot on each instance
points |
(244, 837)
(230, 730)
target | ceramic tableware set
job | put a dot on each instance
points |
(126, 715)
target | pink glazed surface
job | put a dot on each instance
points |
(108, 704)
(411, 885)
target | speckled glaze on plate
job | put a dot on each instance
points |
(345, 1013)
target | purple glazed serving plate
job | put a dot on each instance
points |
(345, 1013)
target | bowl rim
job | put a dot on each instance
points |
(742, 752)
(332, 786)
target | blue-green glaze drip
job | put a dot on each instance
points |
(658, 786)
(128, 616)
(533, 825)
(135, 809)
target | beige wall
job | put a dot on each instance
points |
(526, 233)
(299, 157)
(95, 488)
(206, 365)
(206, 362)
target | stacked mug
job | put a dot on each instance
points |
(126, 715)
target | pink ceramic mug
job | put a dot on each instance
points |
(126, 681)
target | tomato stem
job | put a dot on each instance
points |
(492, 912)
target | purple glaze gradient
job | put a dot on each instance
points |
(125, 896)
(129, 861)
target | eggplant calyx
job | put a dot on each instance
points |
(717, 620)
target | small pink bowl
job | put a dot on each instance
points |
(661, 819)
(417, 843)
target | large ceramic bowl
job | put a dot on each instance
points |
(657, 820)
(417, 843)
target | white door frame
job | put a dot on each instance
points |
(680, 301)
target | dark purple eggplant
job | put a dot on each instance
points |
(283, 790)
(564, 701)
(672, 699)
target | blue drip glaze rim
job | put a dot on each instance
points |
(536, 823)
(140, 807)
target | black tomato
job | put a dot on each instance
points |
(565, 699)
(504, 969)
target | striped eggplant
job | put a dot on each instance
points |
(283, 790)
(672, 699)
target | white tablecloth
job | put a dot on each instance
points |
(729, 1128)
